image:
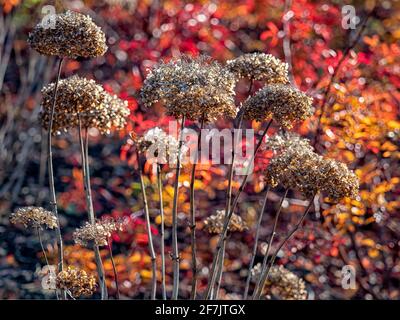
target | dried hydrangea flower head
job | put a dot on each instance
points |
(76, 281)
(284, 103)
(96, 233)
(214, 224)
(82, 98)
(261, 67)
(158, 146)
(197, 88)
(286, 140)
(72, 35)
(282, 283)
(36, 217)
(297, 166)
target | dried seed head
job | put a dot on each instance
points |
(197, 88)
(215, 223)
(297, 166)
(73, 35)
(284, 103)
(97, 233)
(261, 67)
(76, 281)
(36, 217)
(82, 98)
(282, 283)
(285, 140)
(158, 146)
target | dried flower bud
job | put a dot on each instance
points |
(197, 88)
(97, 233)
(282, 283)
(284, 103)
(76, 282)
(36, 217)
(215, 223)
(73, 35)
(82, 98)
(261, 67)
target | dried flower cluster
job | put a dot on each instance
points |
(76, 281)
(215, 223)
(284, 103)
(197, 88)
(282, 283)
(297, 166)
(82, 98)
(158, 146)
(261, 67)
(34, 217)
(69, 34)
(97, 233)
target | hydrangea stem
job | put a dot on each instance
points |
(162, 233)
(254, 252)
(53, 198)
(109, 245)
(193, 215)
(175, 249)
(265, 273)
(149, 235)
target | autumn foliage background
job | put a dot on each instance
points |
(353, 75)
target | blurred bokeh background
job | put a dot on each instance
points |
(352, 71)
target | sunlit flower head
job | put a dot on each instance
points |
(76, 282)
(214, 224)
(282, 284)
(197, 88)
(72, 35)
(36, 217)
(261, 67)
(97, 233)
(284, 103)
(80, 98)
(158, 146)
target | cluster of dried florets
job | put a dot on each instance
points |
(297, 166)
(282, 283)
(197, 88)
(158, 146)
(36, 217)
(76, 281)
(284, 103)
(261, 67)
(84, 100)
(215, 223)
(96, 233)
(69, 34)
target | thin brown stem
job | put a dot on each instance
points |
(162, 235)
(175, 249)
(264, 275)
(193, 215)
(53, 198)
(220, 271)
(254, 252)
(228, 217)
(149, 235)
(114, 268)
(84, 146)
(271, 239)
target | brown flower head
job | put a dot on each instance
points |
(76, 282)
(97, 233)
(36, 217)
(284, 103)
(282, 284)
(261, 67)
(197, 88)
(80, 98)
(215, 223)
(72, 35)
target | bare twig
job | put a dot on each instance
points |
(162, 234)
